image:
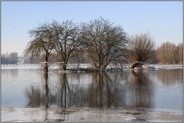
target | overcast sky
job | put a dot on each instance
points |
(163, 20)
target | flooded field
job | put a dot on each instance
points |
(148, 95)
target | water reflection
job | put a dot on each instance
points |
(63, 96)
(106, 90)
(170, 77)
(38, 97)
(140, 90)
(10, 73)
(157, 89)
(137, 90)
(100, 90)
(95, 94)
(34, 97)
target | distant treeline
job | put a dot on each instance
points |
(170, 53)
(11, 58)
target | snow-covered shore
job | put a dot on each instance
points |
(54, 66)
(171, 66)
(86, 115)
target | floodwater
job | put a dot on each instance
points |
(155, 90)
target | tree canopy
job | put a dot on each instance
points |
(141, 47)
(41, 44)
(105, 42)
(66, 42)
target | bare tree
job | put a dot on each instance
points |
(66, 41)
(141, 48)
(104, 42)
(41, 44)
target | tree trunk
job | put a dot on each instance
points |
(46, 63)
(64, 67)
(46, 67)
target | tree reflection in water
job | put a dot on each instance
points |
(38, 97)
(170, 77)
(99, 91)
(34, 97)
(96, 94)
(108, 90)
(63, 95)
(140, 90)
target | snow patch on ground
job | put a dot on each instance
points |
(125, 67)
(167, 67)
(85, 115)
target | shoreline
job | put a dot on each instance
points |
(86, 67)
(87, 115)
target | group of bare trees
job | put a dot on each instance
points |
(99, 42)
(103, 41)
(54, 38)
(169, 53)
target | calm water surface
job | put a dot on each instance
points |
(153, 89)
